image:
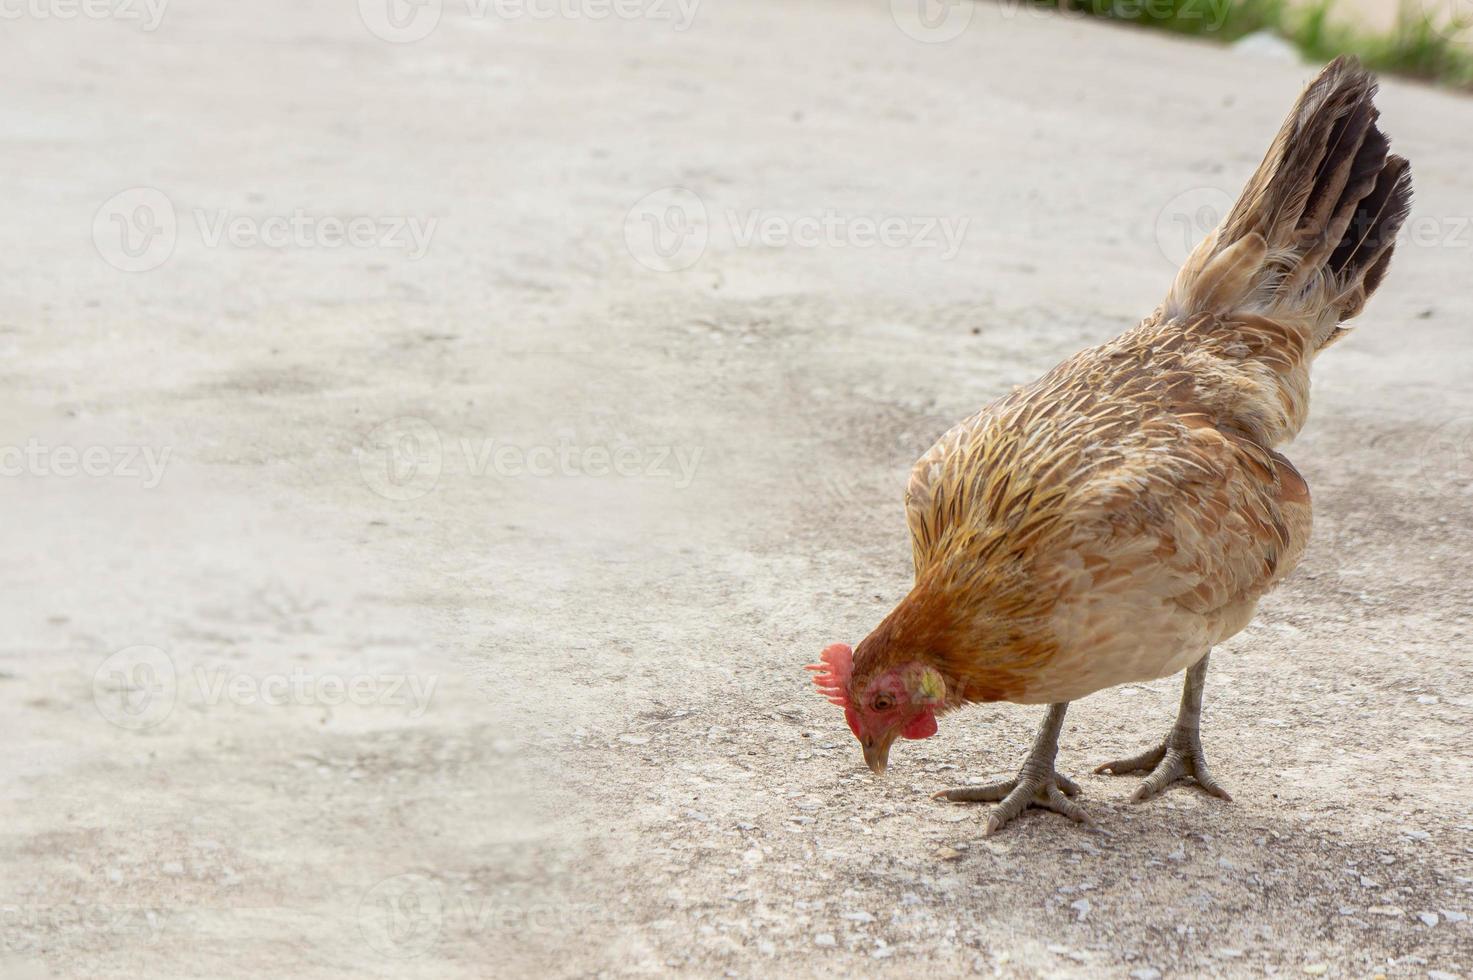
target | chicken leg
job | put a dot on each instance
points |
(1037, 784)
(1180, 755)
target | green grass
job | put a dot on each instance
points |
(1413, 47)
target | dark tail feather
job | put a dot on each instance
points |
(1311, 236)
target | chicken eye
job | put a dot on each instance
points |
(882, 702)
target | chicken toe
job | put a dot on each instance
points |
(1166, 764)
(1037, 784)
(1181, 755)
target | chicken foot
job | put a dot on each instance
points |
(1180, 756)
(1037, 784)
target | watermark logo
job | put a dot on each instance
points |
(406, 915)
(148, 14)
(1432, 231)
(932, 21)
(25, 928)
(667, 230)
(300, 688)
(400, 21)
(135, 230)
(136, 688)
(303, 230)
(402, 916)
(402, 458)
(670, 230)
(571, 459)
(1187, 219)
(1450, 18)
(1447, 455)
(143, 463)
(1192, 215)
(407, 21)
(835, 229)
(138, 229)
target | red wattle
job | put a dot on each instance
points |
(922, 725)
(852, 717)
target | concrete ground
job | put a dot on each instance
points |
(429, 462)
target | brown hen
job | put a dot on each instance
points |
(1113, 521)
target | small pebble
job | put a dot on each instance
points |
(1065, 951)
(825, 939)
(1145, 973)
(1428, 918)
(1317, 969)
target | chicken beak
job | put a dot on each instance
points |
(877, 753)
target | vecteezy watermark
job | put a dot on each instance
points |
(939, 21)
(402, 916)
(23, 928)
(302, 230)
(138, 229)
(1450, 18)
(1192, 215)
(402, 459)
(932, 21)
(149, 14)
(135, 230)
(1210, 14)
(405, 916)
(1188, 218)
(407, 21)
(669, 230)
(834, 229)
(1447, 455)
(511, 461)
(1431, 231)
(138, 687)
(143, 463)
(304, 689)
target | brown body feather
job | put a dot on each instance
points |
(1116, 518)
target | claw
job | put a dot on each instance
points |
(1167, 764)
(991, 793)
(1013, 796)
(1038, 784)
(1143, 762)
(1180, 756)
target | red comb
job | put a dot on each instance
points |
(832, 677)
